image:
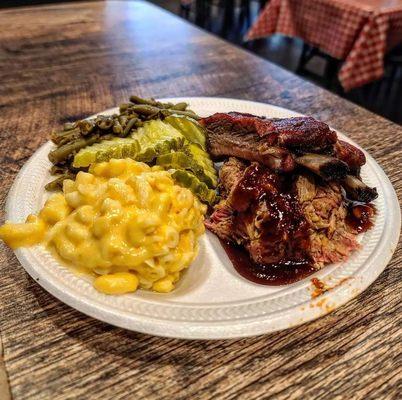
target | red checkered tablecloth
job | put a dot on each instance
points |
(360, 32)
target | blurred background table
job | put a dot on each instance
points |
(358, 32)
(65, 62)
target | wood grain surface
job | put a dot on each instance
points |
(71, 60)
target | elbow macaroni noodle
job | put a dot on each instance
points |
(126, 223)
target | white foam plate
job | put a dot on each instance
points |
(211, 301)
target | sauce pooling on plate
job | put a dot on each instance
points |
(360, 217)
(265, 203)
(281, 273)
(286, 271)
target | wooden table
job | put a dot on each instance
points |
(71, 60)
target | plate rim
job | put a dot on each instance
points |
(221, 329)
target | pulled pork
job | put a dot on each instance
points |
(324, 209)
(277, 220)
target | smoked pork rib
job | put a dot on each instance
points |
(250, 147)
(351, 155)
(298, 134)
(284, 144)
(327, 167)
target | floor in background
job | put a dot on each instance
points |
(383, 97)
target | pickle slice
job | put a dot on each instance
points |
(203, 159)
(181, 161)
(189, 128)
(104, 151)
(190, 181)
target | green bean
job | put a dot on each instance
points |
(130, 125)
(179, 106)
(145, 110)
(151, 112)
(68, 139)
(139, 100)
(150, 102)
(104, 123)
(187, 113)
(165, 105)
(132, 114)
(86, 126)
(57, 184)
(62, 137)
(157, 115)
(124, 106)
(150, 108)
(63, 152)
(69, 125)
(165, 113)
(55, 137)
(122, 120)
(59, 169)
(117, 128)
(63, 132)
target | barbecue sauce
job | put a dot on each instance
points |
(360, 216)
(284, 272)
(280, 253)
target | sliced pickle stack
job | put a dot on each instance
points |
(145, 145)
(189, 128)
(157, 138)
(184, 160)
(177, 144)
(200, 189)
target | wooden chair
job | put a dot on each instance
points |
(331, 68)
(393, 61)
(185, 8)
(201, 10)
(383, 96)
(387, 91)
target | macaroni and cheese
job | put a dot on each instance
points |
(127, 224)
